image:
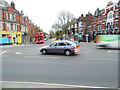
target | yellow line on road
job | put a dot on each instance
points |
(51, 84)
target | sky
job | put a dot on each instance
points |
(44, 13)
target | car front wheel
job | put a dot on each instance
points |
(44, 52)
(67, 53)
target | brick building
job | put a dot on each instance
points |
(119, 14)
(105, 21)
(14, 22)
(82, 26)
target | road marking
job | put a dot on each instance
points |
(99, 59)
(53, 84)
(18, 53)
(109, 51)
(3, 52)
(41, 57)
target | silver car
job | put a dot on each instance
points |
(61, 47)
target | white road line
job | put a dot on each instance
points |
(109, 51)
(100, 59)
(3, 52)
(41, 57)
(18, 53)
(52, 84)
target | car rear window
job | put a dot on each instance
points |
(70, 43)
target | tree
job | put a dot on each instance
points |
(56, 27)
(63, 21)
(52, 34)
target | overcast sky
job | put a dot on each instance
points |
(44, 12)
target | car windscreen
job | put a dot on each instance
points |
(40, 37)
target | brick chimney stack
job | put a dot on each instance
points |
(12, 5)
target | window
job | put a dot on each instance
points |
(103, 17)
(1, 2)
(75, 25)
(103, 26)
(68, 44)
(99, 27)
(40, 37)
(11, 26)
(15, 27)
(116, 14)
(94, 27)
(18, 35)
(99, 18)
(110, 15)
(7, 15)
(61, 44)
(0, 26)
(3, 35)
(94, 19)
(14, 17)
(11, 16)
(0, 14)
(53, 44)
(7, 26)
(116, 24)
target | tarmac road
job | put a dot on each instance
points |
(90, 67)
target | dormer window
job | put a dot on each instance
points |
(110, 15)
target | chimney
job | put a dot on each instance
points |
(82, 15)
(12, 5)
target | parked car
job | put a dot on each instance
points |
(61, 47)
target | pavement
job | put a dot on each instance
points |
(17, 45)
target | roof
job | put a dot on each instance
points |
(3, 3)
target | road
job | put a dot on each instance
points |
(92, 66)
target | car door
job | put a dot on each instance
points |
(52, 48)
(61, 47)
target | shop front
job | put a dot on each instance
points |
(10, 37)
